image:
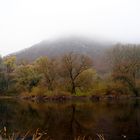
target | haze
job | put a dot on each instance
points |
(26, 22)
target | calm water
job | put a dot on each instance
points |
(64, 121)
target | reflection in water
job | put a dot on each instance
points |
(64, 121)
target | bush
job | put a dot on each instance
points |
(39, 91)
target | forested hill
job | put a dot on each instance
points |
(58, 47)
(93, 68)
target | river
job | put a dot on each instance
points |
(115, 120)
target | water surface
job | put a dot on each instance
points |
(64, 121)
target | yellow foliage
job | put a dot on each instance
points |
(39, 91)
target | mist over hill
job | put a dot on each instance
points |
(58, 47)
(98, 66)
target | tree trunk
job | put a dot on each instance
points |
(135, 91)
(73, 91)
(50, 86)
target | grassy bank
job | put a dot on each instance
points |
(64, 96)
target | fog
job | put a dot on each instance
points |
(26, 22)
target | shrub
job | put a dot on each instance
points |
(39, 91)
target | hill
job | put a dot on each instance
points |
(58, 47)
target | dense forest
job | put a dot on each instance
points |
(113, 71)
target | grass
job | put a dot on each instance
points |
(38, 135)
(99, 137)
(42, 91)
(79, 93)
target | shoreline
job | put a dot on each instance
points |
(68, 98)
(7, 97)
(62, 98)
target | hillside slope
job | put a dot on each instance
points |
(59, 47)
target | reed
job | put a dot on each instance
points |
(38, 135)
(99, 137)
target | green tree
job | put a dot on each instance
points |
(2, 76)
(9, 67)
(10, 63)
(86, 80)
(26, 77)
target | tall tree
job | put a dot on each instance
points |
(9, 65)
(48, 69)
(27, 77)
(2, 76)
(125, 60)
(73, 66)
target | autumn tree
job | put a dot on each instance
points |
(2, 76)
(73, 67)
(125, 61)
(9, 65)
(48, 70)
(26, 77)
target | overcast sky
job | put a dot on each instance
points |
(26, 22)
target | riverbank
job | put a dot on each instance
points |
(74, 97)
(6, 97)
(44, 98)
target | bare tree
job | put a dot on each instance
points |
(125, 62)
(73, 65)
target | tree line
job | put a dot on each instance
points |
(74, 73)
